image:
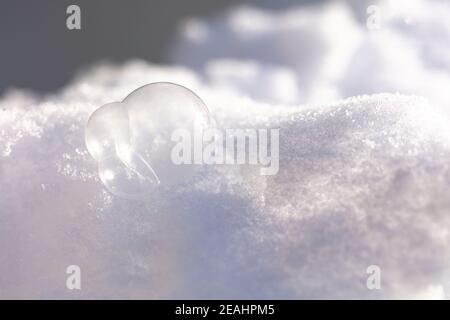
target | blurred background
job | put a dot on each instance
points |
(38, 52)
(288, 51)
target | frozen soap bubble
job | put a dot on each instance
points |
(132, 140)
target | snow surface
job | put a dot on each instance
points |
(362, 181)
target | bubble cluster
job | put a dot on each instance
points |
(131, 140)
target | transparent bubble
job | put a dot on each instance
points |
(131, 178)
(107, 131)
(132, 140)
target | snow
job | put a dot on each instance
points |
(362, 181)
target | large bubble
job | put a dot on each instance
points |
(132, 139)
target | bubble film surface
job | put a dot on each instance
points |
(132, 140)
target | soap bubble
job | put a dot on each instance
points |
(107, 131)
(131, 140)
(130, 178)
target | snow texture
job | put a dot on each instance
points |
(362, 181)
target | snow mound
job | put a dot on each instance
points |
(363, 181)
